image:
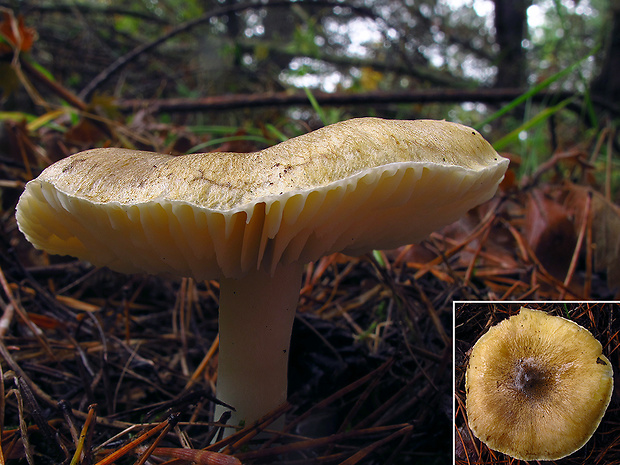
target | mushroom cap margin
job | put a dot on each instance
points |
(549, 427)
(353, 186)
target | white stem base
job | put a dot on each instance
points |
(255, 323)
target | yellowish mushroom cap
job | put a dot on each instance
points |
(537, 386)
(351, 187)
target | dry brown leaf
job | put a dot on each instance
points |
(85, 133)
(15, 32)
(605, 217)
(550, 231)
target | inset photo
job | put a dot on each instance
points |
(534, 381)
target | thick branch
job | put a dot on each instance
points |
(234, 101)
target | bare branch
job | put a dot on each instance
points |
(233, 101)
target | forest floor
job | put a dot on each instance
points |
(99, 367)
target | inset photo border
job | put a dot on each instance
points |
(474, 319)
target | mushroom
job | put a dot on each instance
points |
(537, 386)
(253, 220)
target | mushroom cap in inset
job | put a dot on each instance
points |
(537, 386)
(353, 186)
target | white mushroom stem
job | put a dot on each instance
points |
(255, 323)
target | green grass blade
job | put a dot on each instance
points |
(539, 118)
(315, 105)
(533, 91)
(222, 140)
(276, 132)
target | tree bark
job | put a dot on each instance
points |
(510, 30)
(607, 83)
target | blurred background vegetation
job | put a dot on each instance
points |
(233, 68)
(540, 79)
